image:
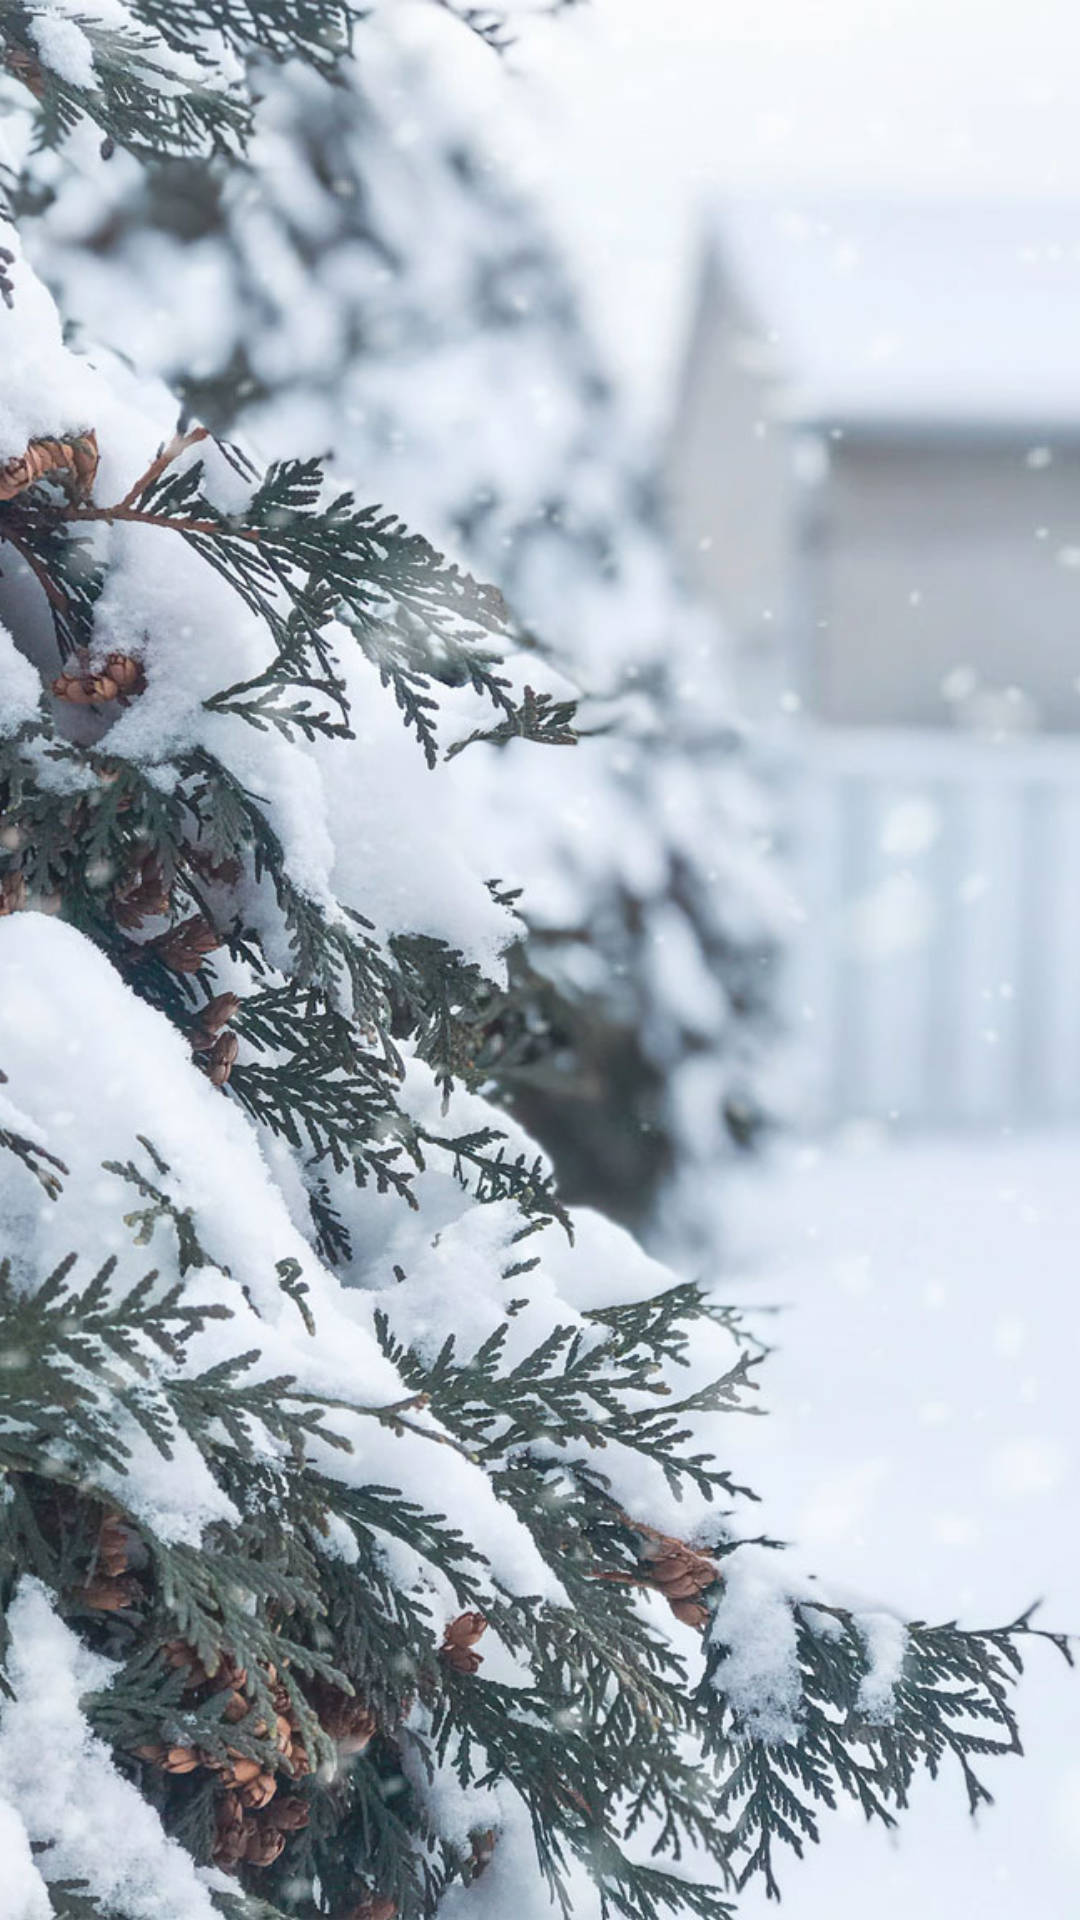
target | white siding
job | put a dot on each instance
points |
(935, 555)
(937, 977)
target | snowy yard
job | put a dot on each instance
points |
(922, 1446)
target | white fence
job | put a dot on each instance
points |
(938, 976)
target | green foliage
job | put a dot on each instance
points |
(159, 89)
(324, 1588)
(951, 1703)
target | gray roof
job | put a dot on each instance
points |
(960, 315)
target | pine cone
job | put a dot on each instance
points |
(12, 894)
(677, 1571)
(143, 893)
(224, 873)
(238, 1770)
(216, 1014)
(231, 1831)
(258, 1792)
(345, 1718)
(73, 462)
(482, 1842)
(291, 1813)
(113, 1546)
(221, 1057)
(263, 1845)
(171, 1759)
(691, 1613)
(27, 69)
(459, 1640)
(184, 948)
(373, 1906)
(110, 1596)
(118, 679)
(127, 672)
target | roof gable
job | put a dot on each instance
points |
(958, 315)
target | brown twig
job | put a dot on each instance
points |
(179, 444)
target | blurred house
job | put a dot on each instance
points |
(875, 472)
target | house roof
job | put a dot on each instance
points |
(912, 315)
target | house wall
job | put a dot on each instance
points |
(729, 475)
(936, 555)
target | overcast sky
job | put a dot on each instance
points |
(647, 106)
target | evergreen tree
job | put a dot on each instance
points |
(365, 1548)
(379, 289)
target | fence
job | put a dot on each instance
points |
(938, 976)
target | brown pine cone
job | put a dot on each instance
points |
(224, 873)
(85, 686)
(459, 1640)
(110, 1596)
(171, 1759)
(127, 673)
(345, 1718)
(12, 894)
(258, 1792)
(113, 1546)
(216, 1014)
(677, 1571)
(238, 1770)
(184, 948)
(482, 1842)
(231, 1831)
(27, 69)
(373, 1906)
(263, 1845)
(143, 893)
(291, 1813)
(73, 462)
(691, 1613)
(179, 1654)
(221, 1059)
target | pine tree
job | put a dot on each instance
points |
(365, 1549)
(372, 290)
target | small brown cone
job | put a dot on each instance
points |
(231, 1828)
(170, 1759)
(216, 1014)
(110, 1596)
(12, 894)
(126, 673)
(691, 1612)
(679, 1572)
(143, 893)
(459, 1641)
(263, 1845)
(224, 873)
(113, 1546)
(239, 1770)
(221, 1058)
(345, 1718)
(184, 948)
(74, 462)
(291, 1813)
(258, 1792)
(373, 1906)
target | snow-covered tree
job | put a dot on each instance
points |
(365, 1543)
(377, 288)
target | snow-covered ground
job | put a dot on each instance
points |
(923, 1445)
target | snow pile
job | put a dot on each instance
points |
(60, 1791)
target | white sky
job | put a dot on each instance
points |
(646, 105)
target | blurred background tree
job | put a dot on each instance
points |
(377, 288)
